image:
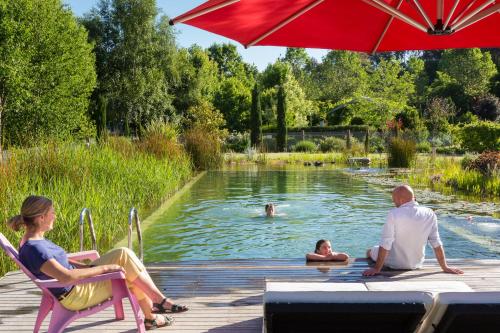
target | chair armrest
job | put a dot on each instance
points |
(92, 255)
(53, 283)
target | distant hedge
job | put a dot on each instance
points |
(481, 136)
(272, 129)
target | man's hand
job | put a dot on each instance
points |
(371, 272)
(452, 270)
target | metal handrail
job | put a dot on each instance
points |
(133, 214)
(86, 212)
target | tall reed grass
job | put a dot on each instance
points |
(401, 153)
(204, 147)
(109, 179)
(445, 174)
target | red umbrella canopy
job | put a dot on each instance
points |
(356, 25)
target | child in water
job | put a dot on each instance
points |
(323, 252)
(270, 210)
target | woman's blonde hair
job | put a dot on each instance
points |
(32, 207)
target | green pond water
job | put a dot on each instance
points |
(222, 217)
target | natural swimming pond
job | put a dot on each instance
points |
(222, 217)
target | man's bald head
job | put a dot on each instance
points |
(402, 194)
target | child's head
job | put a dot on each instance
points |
(270, 209)
(323, 247)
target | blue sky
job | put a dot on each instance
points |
(187, 35)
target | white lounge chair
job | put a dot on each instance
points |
(464, 312)
(341, 307)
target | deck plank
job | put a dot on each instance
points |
(226, 295)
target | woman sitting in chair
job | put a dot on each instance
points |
(46, 260)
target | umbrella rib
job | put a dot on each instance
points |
(478, 17)
(382, 35)
(396, 13)
(471, 14)
(284, 22)
(424, 14)
(202, 12)
(451, 14)
(463, 12)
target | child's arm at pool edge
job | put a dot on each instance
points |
(330, 257)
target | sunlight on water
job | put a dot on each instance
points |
(222, 216)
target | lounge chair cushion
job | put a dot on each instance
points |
(457, 312)
(428, 286)
(324, 309)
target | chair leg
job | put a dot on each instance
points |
(61, 318)
(119, 313)
(137, 313)
(45, 306)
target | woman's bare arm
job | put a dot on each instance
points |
(57, 271)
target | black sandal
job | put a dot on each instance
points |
(152, 324)
(176, 308)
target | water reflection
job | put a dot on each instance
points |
(222, 216)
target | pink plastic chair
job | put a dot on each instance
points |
(61, 317)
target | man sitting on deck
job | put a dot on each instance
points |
(405, 234)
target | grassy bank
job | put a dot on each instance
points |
(445, 174)
(108, 179)
(377, 160)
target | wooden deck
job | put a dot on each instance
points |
(226, 295)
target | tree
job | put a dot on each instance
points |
(196, 79)
(255, 118)
(134, 55)
(471, 68)
(299, 108)
(230, 63)
(446, 87)
(233, 96)
(281, 136)
(46, 73)
(390, 81)
(437, 112)
(234, 99)
(341, 75)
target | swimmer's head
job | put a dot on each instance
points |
(270, 209)
(323, 247)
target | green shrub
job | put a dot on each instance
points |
(160, 140)
(480, 136)
(336, 128)
(237, 142)
(424, 147)
(466, 161)
(305, 146)
(401, 153)
(204, 147)
(332, 144)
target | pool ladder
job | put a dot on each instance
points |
(86, 213)
(133, 215)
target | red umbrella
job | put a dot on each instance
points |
(357, 25)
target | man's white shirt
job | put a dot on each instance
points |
(406, 232)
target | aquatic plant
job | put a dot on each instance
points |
(108, 179)
(401, 153)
